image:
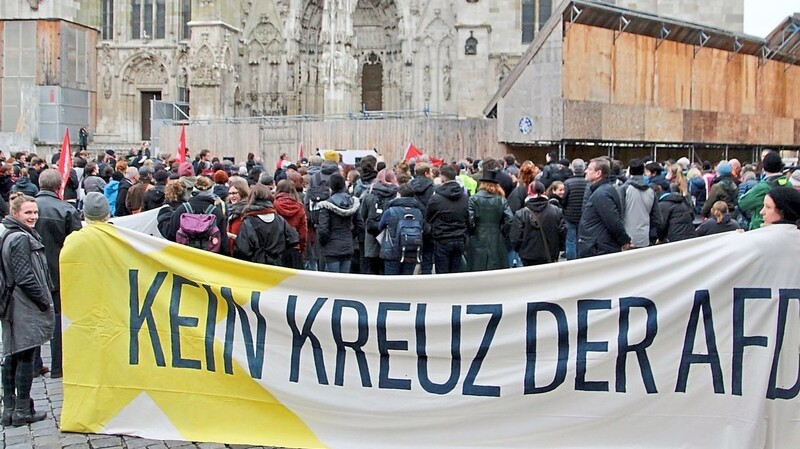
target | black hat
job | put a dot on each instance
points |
(636, 167)
(491, 176)
(772, 163)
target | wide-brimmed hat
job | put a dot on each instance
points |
(491, 176)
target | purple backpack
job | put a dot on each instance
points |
(199, 230)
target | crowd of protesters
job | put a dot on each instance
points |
(320, 214)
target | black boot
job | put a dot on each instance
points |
(8, 410)
(25, 414)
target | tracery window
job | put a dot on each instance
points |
(108, 19)
(186, 13)
(147, 19)
(535, 14)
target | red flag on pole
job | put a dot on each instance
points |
(411, 151)
(300, 154)
(64, 163)
(436, 162)
(181, 157)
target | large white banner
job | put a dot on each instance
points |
(689, 344)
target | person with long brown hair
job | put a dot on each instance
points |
(289, 205)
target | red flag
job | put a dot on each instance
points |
(411, 151)
(300, 155)
(64, 163)
(436, 162)
(181, 157)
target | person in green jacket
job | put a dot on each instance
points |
(753, 200)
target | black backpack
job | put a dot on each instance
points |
(319, 190)
(409, 235)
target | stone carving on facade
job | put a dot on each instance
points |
(204, 3)
(446, 82)
(426, 82)
(290, 77)
(503, 69)
(204, 70)
(34, 4)
(107, 81)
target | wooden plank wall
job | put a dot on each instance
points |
(450, 139)
(48, 53)
(671, 94)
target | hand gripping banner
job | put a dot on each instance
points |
(689, 344)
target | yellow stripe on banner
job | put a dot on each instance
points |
(191, 396)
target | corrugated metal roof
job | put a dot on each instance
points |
(783, 44)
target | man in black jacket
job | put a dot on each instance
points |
(57, 219)
(422, 185)
(448, 217)
(131, 178)
(601, 229)
(574, 189)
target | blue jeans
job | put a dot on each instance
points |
(572, 241)
(337, 264)
(427, 258)
(448, 255)
(394, 267)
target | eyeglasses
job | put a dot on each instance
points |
(233, 192)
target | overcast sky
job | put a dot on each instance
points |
(762, 16)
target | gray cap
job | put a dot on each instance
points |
(266, 179)
(95, 207)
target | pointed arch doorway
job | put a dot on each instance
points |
(372, 84)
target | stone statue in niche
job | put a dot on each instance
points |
(273, 78)
(446, 82)
(426, 83)
(34, 4)
(290, 78)
(107, 83)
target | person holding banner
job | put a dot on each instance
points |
(781, 206)
(28, 319)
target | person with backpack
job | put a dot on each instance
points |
(264, 236)
(723, 188)
(753, 201)
(489, 225)
(27, 314)
(339, 222)
(373, 202)
(422, 185)
(448, 217)
(200, 222)
(402, 226)
(319, 190)
(539, 230)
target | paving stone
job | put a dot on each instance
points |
(73, 438)
(105, 441)
(12, 431)
(78, 446)
(157, 446)
(17, 439)
(211, 446)
(26, 445)
(136, 443)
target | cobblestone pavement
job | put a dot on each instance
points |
(48, 395)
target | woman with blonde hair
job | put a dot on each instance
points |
(28, 320)
(490, 220)
(677, 182)
(719, 220)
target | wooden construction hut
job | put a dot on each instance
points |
(600, 79)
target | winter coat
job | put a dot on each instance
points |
(448, 212)
(489, 225)
(423, 191)
(221, 191)
(398, 208)
(752, 201)
(25, 186)
(122, 194)
(527, 239)
(601, 229)
(295, 214)
(264, 235)
(153, 198)
(373, 203)
(574, 189)
(111, 192)
(30, 319)
(71, 188)
(516, 200)
(723, 189)
(135, 197)
(199, 204)
(677, 216)
(697, 188)
(57, 219)
(235, 213)
(339, 222)
(552, 172)
(711, 226)
(642, 215)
